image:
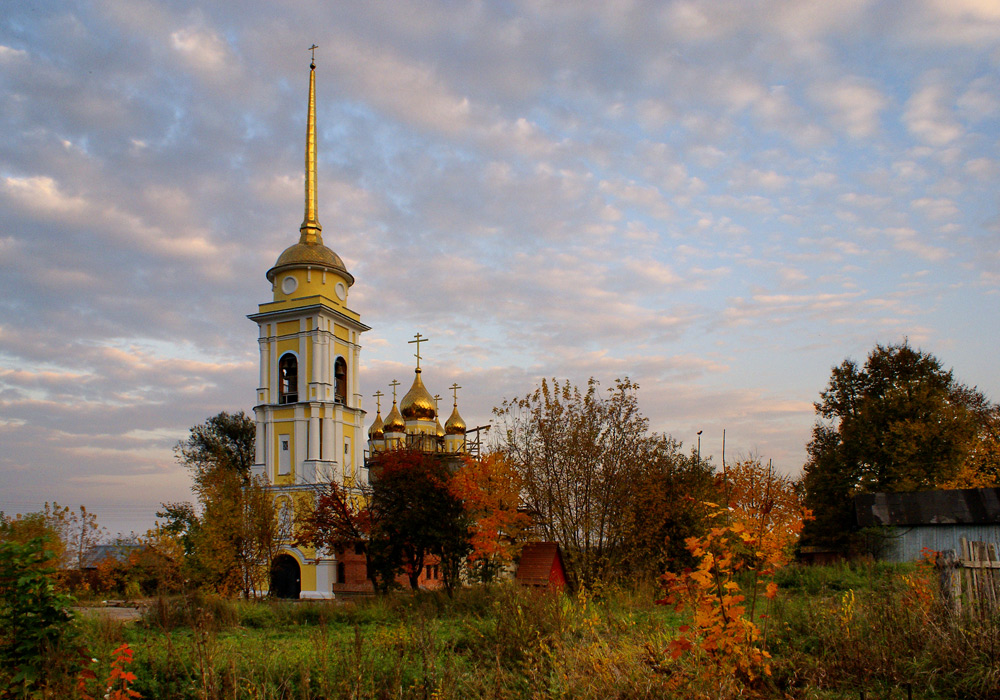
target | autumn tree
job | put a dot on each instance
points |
(233, 539)
(665, 508)
(580, 454)
(419, 515)
(490, 487)
(749, 537)
(900, 422)
(769, 505)
(407, 513)
(344, 519)
(67, 533)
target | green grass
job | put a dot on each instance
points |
(507, 642)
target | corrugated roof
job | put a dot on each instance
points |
(98, 553)
(958, 506)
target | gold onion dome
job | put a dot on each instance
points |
(418, 404)
(394, 421)
(455, 424)
(438, 430)
(376, 431)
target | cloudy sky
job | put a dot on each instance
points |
(720, 200)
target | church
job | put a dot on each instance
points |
(308, 414)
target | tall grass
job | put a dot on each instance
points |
(834, 632)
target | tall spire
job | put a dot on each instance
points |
(311, 231)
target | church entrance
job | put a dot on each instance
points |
(286, 579)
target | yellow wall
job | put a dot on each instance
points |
(311, 283)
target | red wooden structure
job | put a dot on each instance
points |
(541, 566)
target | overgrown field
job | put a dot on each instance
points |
(833, 632)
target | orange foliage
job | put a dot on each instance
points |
(768, 505)
(490, 488)
(750, 538)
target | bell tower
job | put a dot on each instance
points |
(308, 413)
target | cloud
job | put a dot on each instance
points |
(928, 117)
(720, 202)
(853, 105)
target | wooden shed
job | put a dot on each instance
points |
(541, 566)
(936, 520)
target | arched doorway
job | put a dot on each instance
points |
(286, 579)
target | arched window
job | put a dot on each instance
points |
(288, 379)
(340, 380)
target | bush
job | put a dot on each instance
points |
(37, 640)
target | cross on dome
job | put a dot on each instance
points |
(418, 339)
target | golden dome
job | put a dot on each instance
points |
(438, 430)
(305, 254)
(376, 431)
(418, 404)
(455, 424)
(394, 421)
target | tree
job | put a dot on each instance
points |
(580, 455)
(68, 534)
(345, 519)
(418, 515)
(235, 537)
(768, 505)
(899, 423)
(665, 508)
(407, 512)
(490, 488)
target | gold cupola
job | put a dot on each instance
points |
(418, 404)
(310, 252)
(377, 430)
(455, 425)
(394, 422)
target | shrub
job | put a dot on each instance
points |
(37, 640)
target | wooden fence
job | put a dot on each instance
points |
(970, 580)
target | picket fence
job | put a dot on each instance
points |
(970, 580)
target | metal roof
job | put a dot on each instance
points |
(959, 506)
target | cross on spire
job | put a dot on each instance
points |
(394, 383)
(454, 390)
(378, 400)
(437, 400)
(313, 49)
(418, 339)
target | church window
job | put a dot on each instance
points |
(284, 454)
(288, 378)
(340, 380)
(341, 572)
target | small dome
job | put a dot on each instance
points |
(438, 430)
(304, 254)
(418, 404)
(394, 421)
(455, 424)
(376, 431)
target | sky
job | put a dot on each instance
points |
(719, 200)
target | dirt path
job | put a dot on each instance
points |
(125, 614)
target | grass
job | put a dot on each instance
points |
(833, 632)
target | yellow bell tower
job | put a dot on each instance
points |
(308, 413)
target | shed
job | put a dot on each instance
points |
(116, 552)
(935, 520)
(541, 566)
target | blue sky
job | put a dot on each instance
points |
(719, 200)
